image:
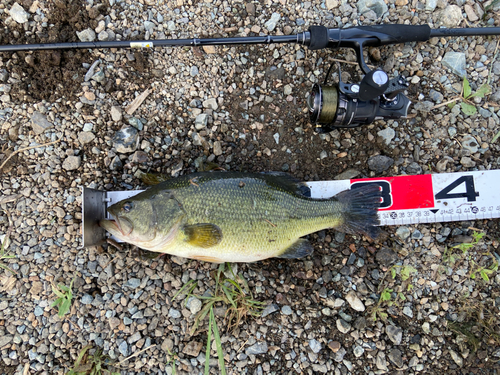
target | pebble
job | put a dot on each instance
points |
(408, 311)
(18, 13)
(456, 358)
(286, 310)
(87, 299)
(173, 313)
(358, 351)
(71, 163)
(269, 309)
(343, 326)
(40, 123)
(470, 144)
(85, 137)
(385, 257)
(387, 135)
(394, 333)
(347, 174)
(403, 233)
(456, 62)
(258, 348)
(126, 140)
(354, 301)
(271, 24)
(123, 349)
(396, 357)
(87, 35)
(380, 163)
(451, 16)
(377, 6)
(194, 305)
(315, 346)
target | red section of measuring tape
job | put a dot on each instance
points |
(402, 192)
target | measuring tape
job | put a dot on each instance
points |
(428, 198)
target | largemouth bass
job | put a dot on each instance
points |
(237, 217)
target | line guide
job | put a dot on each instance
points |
(408, 199)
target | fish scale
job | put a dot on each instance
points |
(235, 217)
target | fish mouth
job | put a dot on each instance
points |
(121, 227)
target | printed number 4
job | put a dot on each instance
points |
(470, 191)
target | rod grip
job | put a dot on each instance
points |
(398, 33)
(318, 37)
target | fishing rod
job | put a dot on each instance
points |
(344, 105)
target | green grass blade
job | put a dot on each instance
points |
(481, 92)
(495, 137)
(218, 344)
(184, 287)
(467, 89)
(468, 109)
(209, 341)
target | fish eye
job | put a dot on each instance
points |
(127, 206)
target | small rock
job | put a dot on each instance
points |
(193, 348)
(269, 310)
(354, 301)
(451, 16)
(123, 348)
(377, 6)
(217, 148)
(343, 326)
(334, 346)
(396, 357)
(210, 104)
(286, 310)
(385, 257)
(347, 174)
(40, 123)
(126, 140)
(315, 346)
(87, 299)
(403, 233)
(467, 162)
(209, 49)
(18, 13)
(358, 351)
(71, 163)
(173, 313)
(87, 35)
(470, 144)
(394, 333)
(258, 348)
(414, 168)
(380, 163)
(331, 4)
(194, 71)
(201, 121)
(387, 135)
(456, 358)
(133, 283)
(436, 96)
(5, 339)
(408, 311)
(380, 362)
(456, 62)
(426, 328)
(271, 24)
(116, 113)
(85, 137)
(194, 305)
(116, 164)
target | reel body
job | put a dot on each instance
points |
(352, 105)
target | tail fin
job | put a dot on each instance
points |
(360, 208)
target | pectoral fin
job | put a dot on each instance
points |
(202, 235)
(299, 249)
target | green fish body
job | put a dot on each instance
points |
(237, 217)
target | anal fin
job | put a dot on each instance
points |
(299, 249)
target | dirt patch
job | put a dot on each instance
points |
(49, 75)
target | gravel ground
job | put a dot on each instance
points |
(242, 107)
